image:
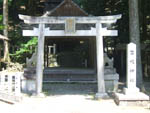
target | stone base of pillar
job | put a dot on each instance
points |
(129, 91)
(101, 96)
(40, 95)
(130, 97)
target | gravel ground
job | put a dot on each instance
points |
(69, 99)
(69, 104)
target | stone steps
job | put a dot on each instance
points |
(64, 75)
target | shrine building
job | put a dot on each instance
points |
(70, 46)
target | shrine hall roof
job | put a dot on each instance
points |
(66, 8)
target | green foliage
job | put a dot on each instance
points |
(8, 1)
(26, 50)
(146, 42)
(1, 25)
(92, 7)
(111, 7)
(1, 18)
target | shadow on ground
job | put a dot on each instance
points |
(69, 89)
(80, 88)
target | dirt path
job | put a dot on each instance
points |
(68, 104)
(72, 98)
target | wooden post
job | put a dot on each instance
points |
(10, 86)
(2, 82)
(17, 84)
(100, 62)
(40, 59)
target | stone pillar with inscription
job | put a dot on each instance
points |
(131, 70)
(131, 92)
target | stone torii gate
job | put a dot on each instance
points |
(70, 30)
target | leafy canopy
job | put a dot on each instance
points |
(26, 50)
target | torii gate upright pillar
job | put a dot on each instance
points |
(100, 62)
(40, 60)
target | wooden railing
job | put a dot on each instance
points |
(10, 86)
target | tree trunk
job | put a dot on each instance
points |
(135, 37)
(5, 31)
(144, 21)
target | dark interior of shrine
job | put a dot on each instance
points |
(70, 52)
(69, 56)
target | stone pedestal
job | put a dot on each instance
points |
(111, 79)
(40, 95)
(131, 94)
(128, 91)
(28, 86)
(111, 82)
(101, 96)
(139, 96)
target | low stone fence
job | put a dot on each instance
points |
(10, 86)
